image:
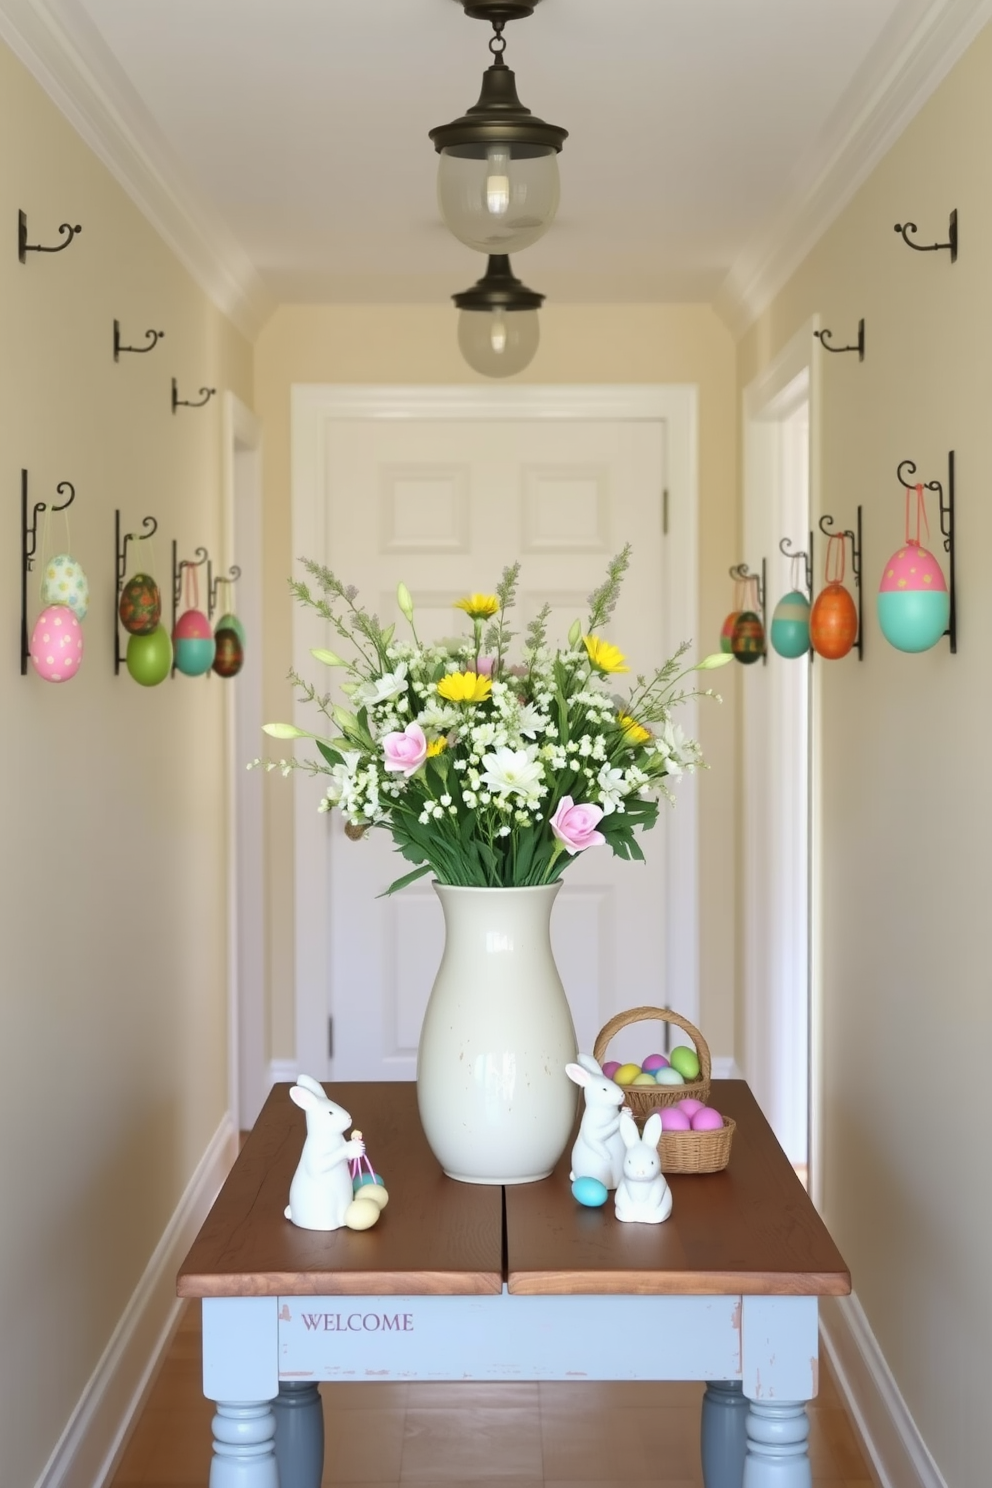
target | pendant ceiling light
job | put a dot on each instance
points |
(497, 180)
(497, 324)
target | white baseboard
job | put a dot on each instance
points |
(93, 1440)
(281, 1070)
(725, 1067)
(892, 1440)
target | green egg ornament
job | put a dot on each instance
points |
(686, 1061)
(149, 657)
(231, 622)
(790, 625)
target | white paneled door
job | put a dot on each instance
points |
(443, 504)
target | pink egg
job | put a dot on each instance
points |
(690, 1106)
(707, 1120)
(672, 1119)
(56, 644)
(192, 625)
(654, 1062)
(610, 1068)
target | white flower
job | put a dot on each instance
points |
(530, 722)
(513, 772)
(382, 689)
(343, 777)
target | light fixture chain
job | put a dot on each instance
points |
(497, 42)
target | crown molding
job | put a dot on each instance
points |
(64, 52)
(911, 59)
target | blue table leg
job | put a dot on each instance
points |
(777, 1445)
(244, 1455)
(299, 1434)
(723, 1442)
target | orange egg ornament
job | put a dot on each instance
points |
(833, 622)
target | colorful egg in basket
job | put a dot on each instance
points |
(643, 1099)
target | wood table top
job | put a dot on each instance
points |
(751, 1229)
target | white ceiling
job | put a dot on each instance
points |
(300, 128)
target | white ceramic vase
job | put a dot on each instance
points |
(495, 1102)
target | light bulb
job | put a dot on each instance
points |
(497, 332)
(498, 180)
(497, 342)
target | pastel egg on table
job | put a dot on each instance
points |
(643, 1077)
(914, 607)
(56, 647)
(668, 1077)
(64, 583)
(707, 1120)
(686, 1061)
(626, 1074)
(689, 1105)
(610, 1068)
(672, 1119)
(653, 1063)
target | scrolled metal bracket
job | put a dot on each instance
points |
(153, 338)
(904, 229)
(120, 569)
(29, 544)
(785, 548)
(232, 577)
(177, 402)
(24, 247)
(741, 574)
(825, 336)
(905, 470)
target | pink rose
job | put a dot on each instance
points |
(484, 666)
(575, 826)
(405, 752)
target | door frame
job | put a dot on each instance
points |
(767, 401)
(241, 531)
(314, 409)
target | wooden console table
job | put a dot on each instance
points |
(460, 1281)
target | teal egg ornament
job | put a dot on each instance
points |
(231, 622)
(589, 1192)
(914, 607)
(790, 625)
(193, 644)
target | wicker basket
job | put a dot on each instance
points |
(697, 1152)
(643, 1099)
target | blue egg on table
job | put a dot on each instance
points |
(363, 1178)
(590, 1192)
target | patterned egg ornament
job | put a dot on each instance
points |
(230, 656)
(727, 633)
(193, 644)
(790, 625)
(149, 657)
(64, 583)
(833, 622)
(56, 644)
(914, 607)
(231, 622)
(748, 639)
(140, 605)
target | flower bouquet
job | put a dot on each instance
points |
(490, 766)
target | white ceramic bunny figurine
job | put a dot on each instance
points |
(598, 1151)
(321, 1195)
(643, 1196)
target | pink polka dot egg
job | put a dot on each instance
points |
(56, 644)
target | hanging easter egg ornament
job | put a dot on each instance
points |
(64, 583)
(193, 644)
(149, 657)
(833, 621)
(230, 656)
(747, 639)
(140, 606)
(56, 644)
(727, 633)
(914, 607)
(790, 625)
(231, 622)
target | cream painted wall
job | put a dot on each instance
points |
(906, 785)
(579, 344)
(112, 916)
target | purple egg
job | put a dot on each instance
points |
(707, 1120)
(672, 1119)
(654, 1062)
(610, 1068)
(689, 1106)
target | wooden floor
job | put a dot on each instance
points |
(489, 1436)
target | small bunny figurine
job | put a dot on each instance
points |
(321, 1195)
(598, 1151)
(643, 1196)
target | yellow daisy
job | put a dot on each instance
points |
(465, 687)
(436, 747)
(604, 656)
(478, 606)
(633, 732)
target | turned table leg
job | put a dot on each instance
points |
(299, 1434)
(244, 1445)
(777, 1445)
(723, 1442)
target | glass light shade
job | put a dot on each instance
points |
(498, 342)
(499, 198)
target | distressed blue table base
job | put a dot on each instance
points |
(758, 1355)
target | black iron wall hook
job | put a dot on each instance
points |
(233, 575)
(905, 470)
(120, 569)
(741, 574)
(153, 338)
(785, 548)
(24, 247)
(905, 228)
(29, 544)
(826, 522)
(177, 402)
(858, 346)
